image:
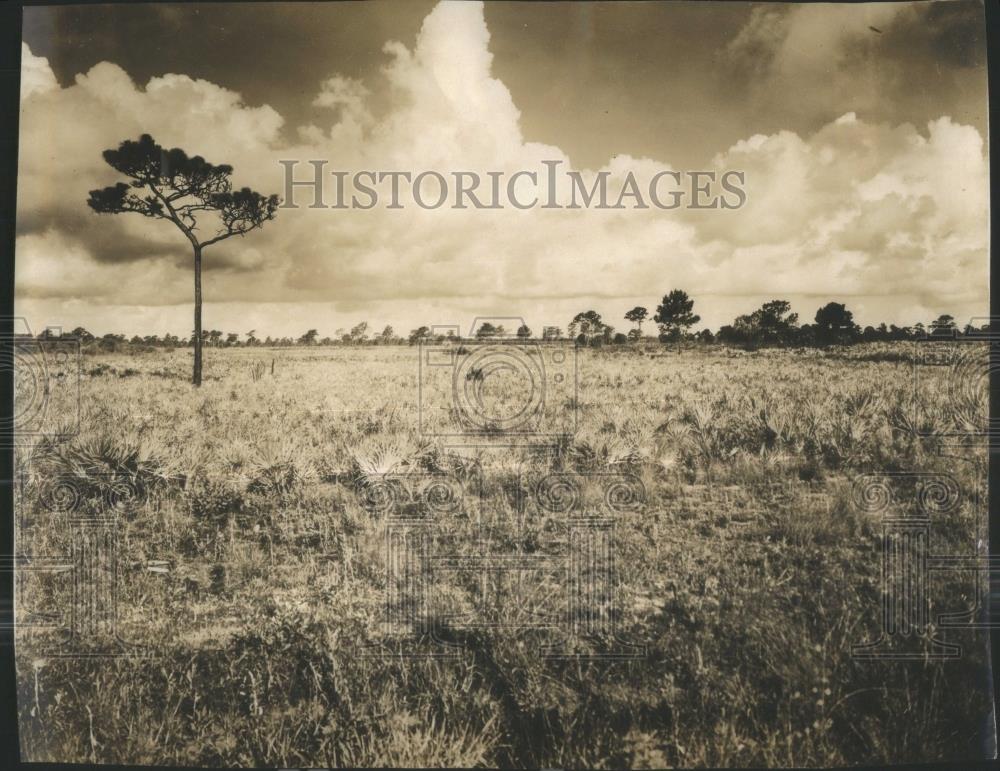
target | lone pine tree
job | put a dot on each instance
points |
(170, 185)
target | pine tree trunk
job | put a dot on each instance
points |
(196, 379)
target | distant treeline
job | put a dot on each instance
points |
(773, 324)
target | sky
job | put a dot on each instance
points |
(861, 129)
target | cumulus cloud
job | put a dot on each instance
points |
(887, 208)
(36, 75)
(855, 209)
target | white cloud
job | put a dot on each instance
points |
(855, 209)
(36, 75)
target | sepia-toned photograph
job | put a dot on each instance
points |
(507, 385)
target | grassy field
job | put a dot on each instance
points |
(253, 568)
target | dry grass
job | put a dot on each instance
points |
(747, 574)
